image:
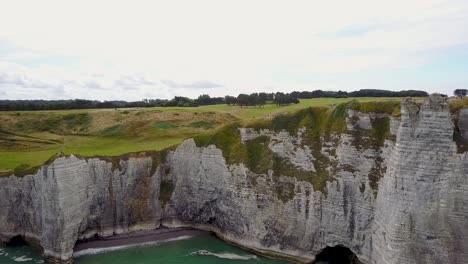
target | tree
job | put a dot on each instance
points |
(230, 100)
(285, 99)
(341, 94)
(204, 99)
(253, 99)
(243, 100)
(264, 97)
(460, 92)
(279, 98)
(256, 100)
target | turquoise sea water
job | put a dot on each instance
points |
(204, 249)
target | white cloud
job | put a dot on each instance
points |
(194, 85)
(243, 45)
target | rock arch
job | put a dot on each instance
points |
(336, 255)
(16, 241)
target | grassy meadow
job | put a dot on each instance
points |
(30, 138)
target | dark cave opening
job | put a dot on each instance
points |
(16, 241)
(336, 255)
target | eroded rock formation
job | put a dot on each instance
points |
(391, 189)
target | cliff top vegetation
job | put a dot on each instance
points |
(29, 138)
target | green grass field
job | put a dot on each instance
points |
(271, 109)
(241, 113)
(29, 138)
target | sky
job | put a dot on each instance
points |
(135, 49)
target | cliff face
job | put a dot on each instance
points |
(393, 190)
(73, 199)
(421, 212)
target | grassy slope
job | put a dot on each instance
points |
(29, 138)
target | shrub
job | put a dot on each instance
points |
(201, 124)
(52, 123)
(77, 120)
(383, 107)
(20, 168)
(113, 131)
(457, 104)
(164, 125)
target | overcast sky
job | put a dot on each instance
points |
(131, 50)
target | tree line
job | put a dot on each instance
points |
(242, 100)
(360, 93)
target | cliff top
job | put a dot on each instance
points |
(28, 139)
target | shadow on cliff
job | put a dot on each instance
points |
(16, 241)
(336, 255)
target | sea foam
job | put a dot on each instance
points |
(224, 255)
(94, 251)
(22, 259)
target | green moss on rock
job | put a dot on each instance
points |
(259, 155)
(317, 120)
(322, 124)
(259, 158)
(165, 192)
(284, 191)
(380, 130)
(376, 173)
(228, 139)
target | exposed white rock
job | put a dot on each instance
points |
(394, 125)
(362, 120)
(421, 213)
(74, 198)
(463, 123)
(287, 146)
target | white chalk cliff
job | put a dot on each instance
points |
(402, 198)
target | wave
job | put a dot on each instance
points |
(94, 251)
(223, 255)
(14, 257)
(22, 259)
